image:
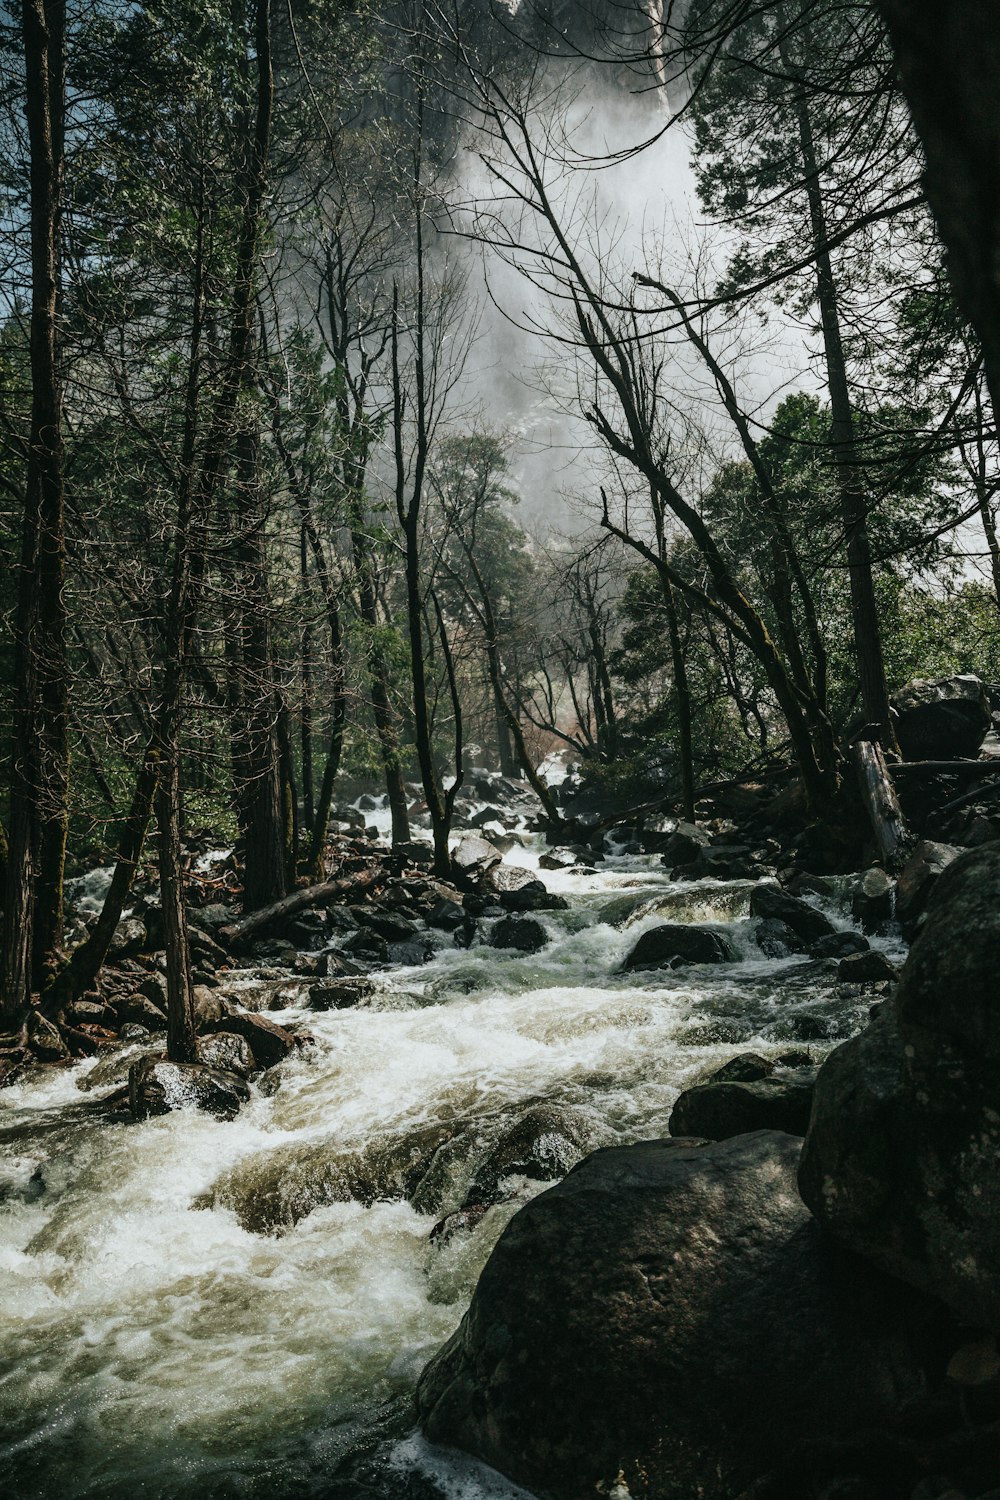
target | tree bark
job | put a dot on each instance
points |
(33, 907)
(881, 803)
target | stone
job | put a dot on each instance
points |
(524, 933)
(45, 1040)
(227, 1052)
(947, 719)
(902, 1159)
(839, 945)
(867, 968)
(370, 945)
(154, 988)
(720, 1108)
(917, 880)
(269, 1043)
(339, 994)
(873, 900)
(771, 902)
(446, 916)
(389, 925)
(85, 1012)
(684, 844)
(745, 1067)
(542, 1144)
(157, 1087)
(558, 859)
(776, 939)
(209, 1007)
(670, 1320)
(471, 857)
(130, 936)
(141, 1011)
(675, 943)
(519, 890)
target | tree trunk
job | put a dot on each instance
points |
(948, 56)
(33, 907)
(682, 692)
(881, 803)
(853, 506)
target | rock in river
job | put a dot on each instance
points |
(902, 1159)
(524, 933)
(772, 903)
(671, 1314)
(675, 943)
(156, 1087)
(781, 1099)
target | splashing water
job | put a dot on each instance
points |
(191, 1308)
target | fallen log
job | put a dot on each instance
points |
(892, 835)
(949, 767)
(323, 894)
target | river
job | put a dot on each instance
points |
(188, 1311)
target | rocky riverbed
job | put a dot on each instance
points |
(207, 1307)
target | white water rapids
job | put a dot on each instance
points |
(158, 1337)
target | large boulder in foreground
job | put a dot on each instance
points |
(902, 1159)
(671, 1309)
(943, 720)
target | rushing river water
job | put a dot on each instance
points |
(188, 1311)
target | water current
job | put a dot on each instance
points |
(196, 1310)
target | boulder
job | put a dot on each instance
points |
(209, 1007)
(524, 933)
(902, 1159)
(86, 1012)
(141, 1011)
(157, 1087)
(519, 890)
(775, 939)
(471, 857)
(339, 994)
(839, 945)
(675, 943)
(670, 1320)
(867, 968)
(873, 900)
(917, 880)
(684, 844)
(446, 916)
(45, 1040)
(130, 936)
(943, 720)
(269, 1043)
(543, 1144)
(226, 1052)
(723, 1107)
(772, 903)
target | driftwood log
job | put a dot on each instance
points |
(878, 794)
(311, 895)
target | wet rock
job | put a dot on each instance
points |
(684, 845)
(89, 1013)
(776, 939)
(334, 965)
(368, 945)
(269, 1043)
(519, 890)
(745, 1067)
(446, 915)
(771, 902)
(902, 1160)
(390, 925)
(415, 951)
(839, 945)
(943, 720)
(209, 1007)
(720, 1108)
(154, 988)
(340, 994)
(228, 1053)
(524, 933)
(676, 943)
(867, 968)
(139, 1010)
(543, 1144)
(134, 1031)
(471, 857)
(130, 936)
(460, 1221)
(45, 1040)
(157, 1087)
(670, 1318)
(873, 900)
(558, 859)
(917, 880)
